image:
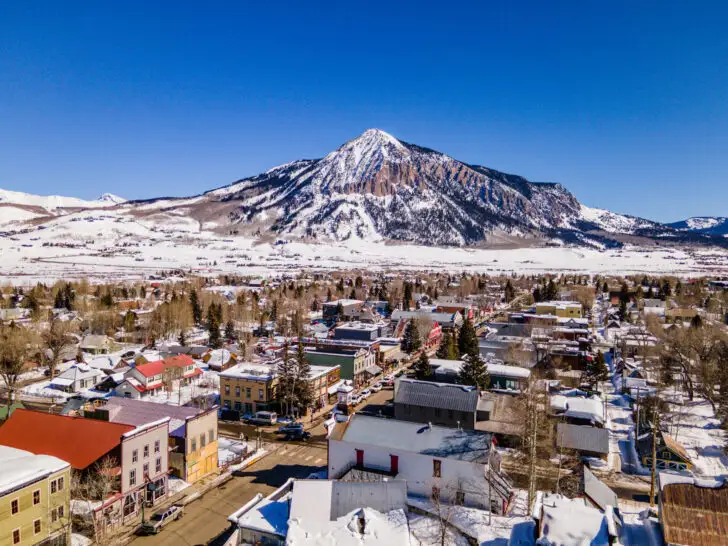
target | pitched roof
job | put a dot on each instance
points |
(79, 441)
(598, 491)
(19, 468)
(582, 438)
(694, 515)
(157, 367)
(412, 392)
(140, 412)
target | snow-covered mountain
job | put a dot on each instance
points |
(374, 188)
(709, 225)
(53, 202)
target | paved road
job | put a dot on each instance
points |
(205, 520)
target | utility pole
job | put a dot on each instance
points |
(532, 420)
(655, 426)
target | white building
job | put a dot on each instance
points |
(435, 461)
(78, 378)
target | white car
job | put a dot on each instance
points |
(366, 393)
(377, 387)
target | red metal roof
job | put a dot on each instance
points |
(77, 440)
(158, 366)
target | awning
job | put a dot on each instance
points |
(335, 387)
(373, 370)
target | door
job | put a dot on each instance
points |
(394, 464)
(360, 457)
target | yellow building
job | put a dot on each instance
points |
(34, 499)
(248, 387)
(562, 309)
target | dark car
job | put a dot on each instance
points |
(290, 428)
(297, 435)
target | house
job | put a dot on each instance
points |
(324, 381)
(97, 344)
(440, 403)
(34, 498)
(151, 378)
(455, 465)
(220, 359)
(78, 378)
(248, 387)
(192, 434)
(561, 520)
(578, 409)
(447, 321)
(343, 513)
(137, 456)
(670, 454)
(587, 440)
(692, 512)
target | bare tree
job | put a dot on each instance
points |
(96, 487)
(15, 350)
(57, 339)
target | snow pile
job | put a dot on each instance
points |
(359, 527)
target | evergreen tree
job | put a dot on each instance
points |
(510, 292)
(182, 339)
(468, 340)
(285, 370)
(353, 294)
(411, 341)
(196, 308)
(537, 295)
(696, 322)
(213, 327)
(329, 296)
(474, 372)
(59, 302)
(407, 297)
(229, 330)
(422, 367)
(605, 287)
(448, 350)
(303, 392)
(597, 370)
(129, 321)
(339, 311)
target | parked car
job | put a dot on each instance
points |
(377, 387)
(366, 393)
(297, 435)
(264, 418)
(161, 519)
(290, 427)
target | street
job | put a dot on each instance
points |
(205, 520)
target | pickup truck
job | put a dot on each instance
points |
(161, 519)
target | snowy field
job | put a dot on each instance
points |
(113, 246)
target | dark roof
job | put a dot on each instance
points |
(694, 515)
(412, 392)
(598, 491)
(582, 438)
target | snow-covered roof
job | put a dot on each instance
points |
(571, 521)
(579, 407)
(19, 467)
(250, 371)
(503, 370)
(266, 514)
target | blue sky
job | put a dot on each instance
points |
(625, 103)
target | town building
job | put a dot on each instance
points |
(78, 378)
(151, 378)
(137, 456)
(192, 434)
(356, 364)
(564, 309)
(348, 308)
(35, 499)
(97, 344)
(455, 465)
(248, 387)
(587, 440)
(670, 454)
(357, 330)
(441, 403)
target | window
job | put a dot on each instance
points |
(460, 498)
(260, 394)
(132, 477)
(237, 392)
(16, 536)
(14, 507)
(227, 389)
(135, 455)
(193, 446)
(211, 435)
(54, 515)
(156, 446)
(436, 468)
(60, 483)
(54, 486)
(36, 497)
(248, 392)
(203, 441)
(238, 406)
(450, 414)
(146, 451)
(36, 526)
(146, 469)
(60, 512)
(159, 464)
(438, 411)
(435, 493)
